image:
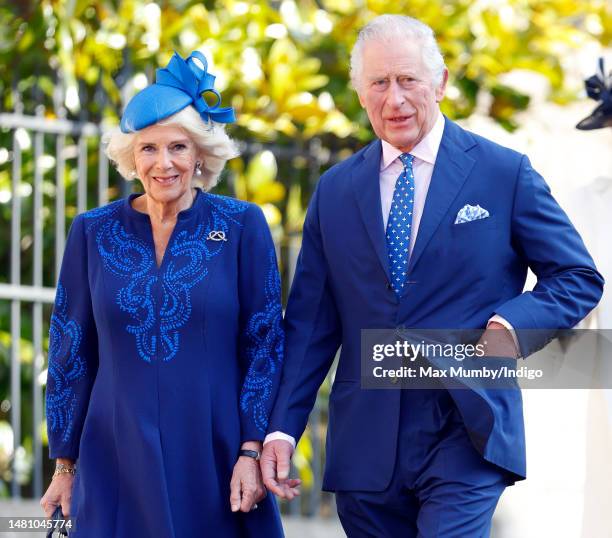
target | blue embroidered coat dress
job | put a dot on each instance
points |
(158, 374)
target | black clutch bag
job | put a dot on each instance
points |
(59, 524)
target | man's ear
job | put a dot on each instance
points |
(441, 89)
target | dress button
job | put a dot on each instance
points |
(389, 285)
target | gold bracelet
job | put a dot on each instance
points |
(62, 468)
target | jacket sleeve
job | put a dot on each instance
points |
(73, 350)
(261, 344)
(568, 284)
(313, 331)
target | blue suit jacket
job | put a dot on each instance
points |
(458, 277)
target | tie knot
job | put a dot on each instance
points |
(407, 159)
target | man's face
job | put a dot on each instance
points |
(397, 92)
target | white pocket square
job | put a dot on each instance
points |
(468, 213)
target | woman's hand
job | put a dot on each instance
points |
(58, 493)
(246, 486)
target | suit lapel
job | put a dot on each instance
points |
(366, 188)
(452, 168)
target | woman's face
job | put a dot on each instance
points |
(165, 159)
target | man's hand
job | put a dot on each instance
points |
(498, 342)
(275, 464)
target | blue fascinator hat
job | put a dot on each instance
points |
(180, 84)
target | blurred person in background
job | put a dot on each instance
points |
(166, 342)
(590, 209)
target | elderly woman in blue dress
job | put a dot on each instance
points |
(166, 340)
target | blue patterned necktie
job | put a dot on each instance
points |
(400, 223)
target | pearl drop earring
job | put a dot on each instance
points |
(198, 169)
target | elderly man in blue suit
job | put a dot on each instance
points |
(471, 217)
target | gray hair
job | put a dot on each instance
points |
(213, 145)
(386, 27)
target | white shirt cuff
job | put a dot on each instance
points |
(279, 435)
(498, 319)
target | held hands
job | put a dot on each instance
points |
(275, 463)
(246, 486)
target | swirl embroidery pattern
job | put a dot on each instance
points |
(264, 348)
(129, 257)
(92, 216)
(66, 367)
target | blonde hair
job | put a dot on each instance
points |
(214, 147)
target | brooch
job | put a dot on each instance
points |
(217, 235)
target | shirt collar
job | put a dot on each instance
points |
(426, 150)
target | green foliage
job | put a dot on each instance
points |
(282, 64)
